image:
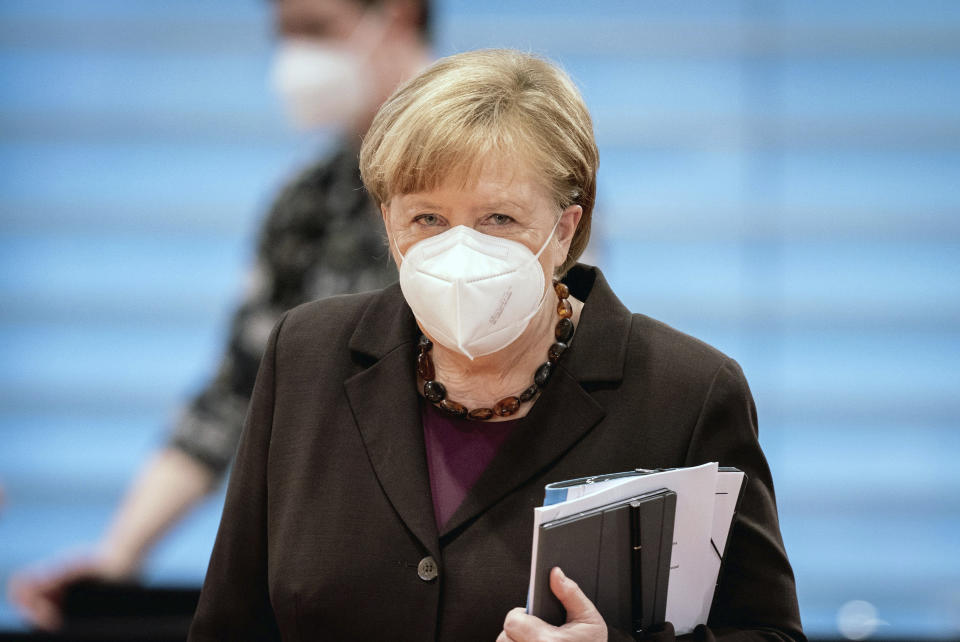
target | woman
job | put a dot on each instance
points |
(398, 441)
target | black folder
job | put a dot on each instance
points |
(618, 554)
(108, 611)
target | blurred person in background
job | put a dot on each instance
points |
(336, 62)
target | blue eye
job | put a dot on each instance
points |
(500, 219)
(427, 219)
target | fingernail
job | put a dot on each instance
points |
(560, 572)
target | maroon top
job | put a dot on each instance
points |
(458, 451)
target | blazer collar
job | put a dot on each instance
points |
(598, 351)
(384, 400)
(386, 324)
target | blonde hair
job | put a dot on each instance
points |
(450, 119)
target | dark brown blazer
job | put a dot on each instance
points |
(328, 510)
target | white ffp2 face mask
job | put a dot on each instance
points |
(326, 82)
(321, 85)
(473, 292)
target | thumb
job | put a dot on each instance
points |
(578, 606)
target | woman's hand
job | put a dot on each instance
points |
(38, 595)
(583, 620)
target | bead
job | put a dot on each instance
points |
(543, 374)
(454, 408)
(529, 393)
(555, 351)
(507, 406)
(434, 391)
(425, 344)
(425, 366)
(480, 413)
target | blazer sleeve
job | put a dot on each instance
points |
(235, 602)
(756, 596)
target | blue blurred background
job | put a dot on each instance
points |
(781, 179)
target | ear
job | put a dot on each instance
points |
(563, 237)
(569, 222)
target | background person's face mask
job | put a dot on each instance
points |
(327, 83)
(473, 292)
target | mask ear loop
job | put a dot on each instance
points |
(544, 246)
(402, 257)
(543, 294)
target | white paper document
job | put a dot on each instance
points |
(729, 484)
(706, 500)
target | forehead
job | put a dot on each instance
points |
(494, 179)
(318, 18)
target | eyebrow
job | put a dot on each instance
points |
(497, 205)
(488, 206)
(422, 204)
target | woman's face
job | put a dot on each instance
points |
(503, 200)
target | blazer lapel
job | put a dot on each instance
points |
(385, 405)
(565, 411)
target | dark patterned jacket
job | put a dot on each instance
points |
(323, 236)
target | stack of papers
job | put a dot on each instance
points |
(706, 499)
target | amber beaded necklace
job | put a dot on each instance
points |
(436, 393)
